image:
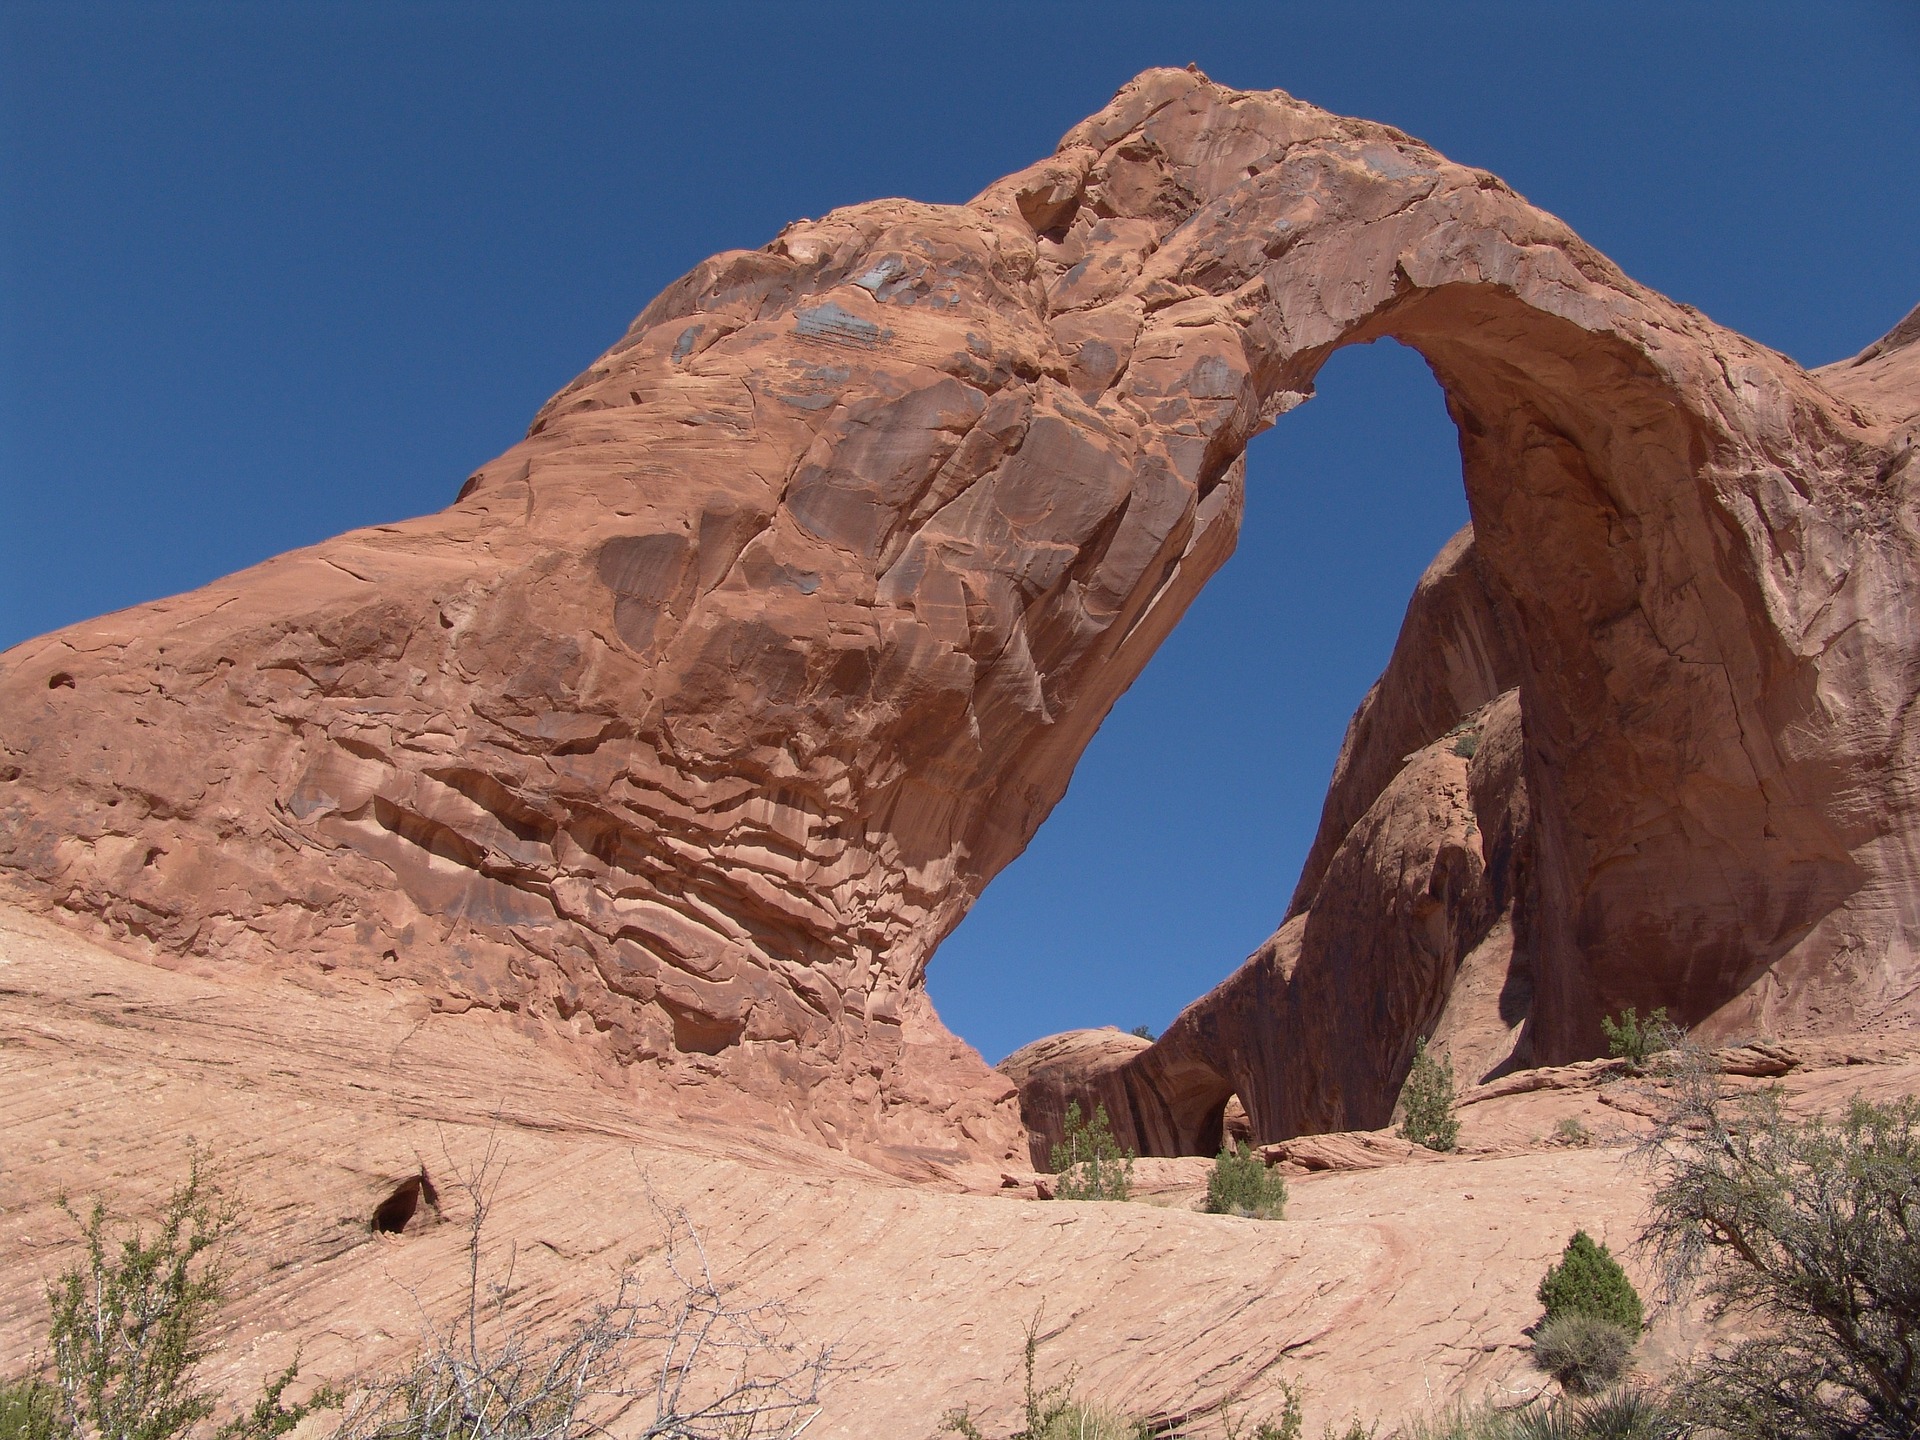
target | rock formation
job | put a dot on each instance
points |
(706, 710)
(1399, 1282)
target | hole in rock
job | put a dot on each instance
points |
(1176, 849)
(60, 680)
(391, 1215)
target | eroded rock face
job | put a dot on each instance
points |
(706, 711)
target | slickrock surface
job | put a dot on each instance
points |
(702, 716)
(1384, 1286)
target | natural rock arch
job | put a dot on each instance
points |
(703, 715)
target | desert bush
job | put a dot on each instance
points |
(1807, 1230)
(1635, 1040)
(1145, 1032)
(1088, 1161)
(713, 1367)
(130, 1326)
(1589, 1281)
(1459, 1422)
(1242, 1184)
(1078, 1420)
(1427, 1102)
(1583, 1352)
(1618, 1415)
(1572, 1130)
(27, 1410)
(1284, 1425)
(1052, 1412)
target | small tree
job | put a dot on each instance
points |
(1427, 1102)
(1088, 1161)
(1241, 1184)
(130, 1327)
(1634, 1040)
(1811, 1229)
(1589, 1281)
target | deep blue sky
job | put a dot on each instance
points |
(272, 271)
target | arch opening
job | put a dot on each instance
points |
(1182, 835)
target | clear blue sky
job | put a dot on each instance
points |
(272, 271)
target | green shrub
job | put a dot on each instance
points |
(1426, 1102)
(1460, 1422)
(27, 1410)
(1241, 1184)
(1583, 1352)
(1089, 1162)
(1052, 1412)
(1572, 1130)
(1805, 1230)
(129, 1329)
(1078, 1420)
(1619, 1415)
(1286, 1425)
(1145, 1032)
(1589, 1281)
(1634, 1040)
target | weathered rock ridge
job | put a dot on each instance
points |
(705, 712)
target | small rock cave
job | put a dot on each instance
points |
(393, 1214)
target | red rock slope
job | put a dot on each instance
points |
(706, 710)
(1395, 1284)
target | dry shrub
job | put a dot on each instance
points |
(1583, 1352)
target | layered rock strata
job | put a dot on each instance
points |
(703, 714)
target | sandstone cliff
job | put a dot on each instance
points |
(700, 718)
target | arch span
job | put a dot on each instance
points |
(703, 715)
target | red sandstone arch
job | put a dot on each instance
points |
(703, 715)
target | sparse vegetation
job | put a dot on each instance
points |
(1806, 1229)
(1466, 744)
(1089, 1163)
(1426, 1102)
(1635, 1040)
(1589, 1281)
(129, 1328)
(1242, 1184)
(132, 1321)
(714, 1367)
(1052, 1412)
(1286, 1425)
(26, 1410)
(1585, 1353)
(1145, 1032)
(1618, 1415)
(1572, 1130)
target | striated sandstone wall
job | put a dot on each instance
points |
(705, 712)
